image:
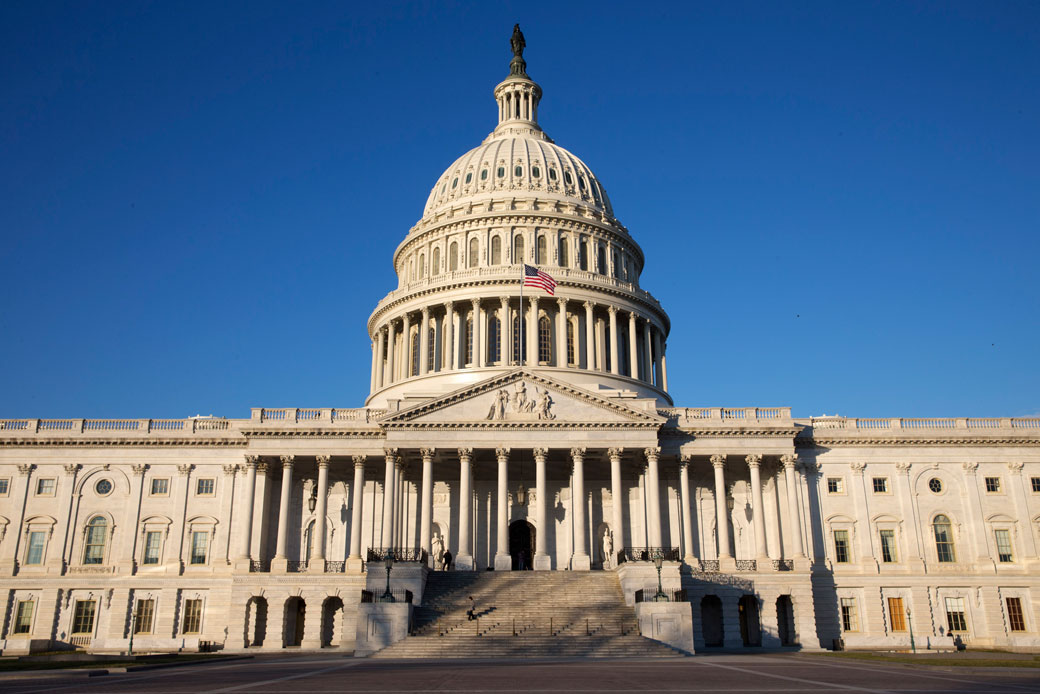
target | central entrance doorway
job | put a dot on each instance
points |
(521, 544)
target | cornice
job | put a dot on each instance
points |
(520, 426)
(725, 432)
(313, 433)
(835, 442)
(131, 443)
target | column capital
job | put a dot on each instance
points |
(476, 304)
(561, 301)
(970, 468)
(465, 454)
(615, 453)
(323, 460)
(504, 300)
(449, 306)
(1015, 468)
(425, 312)
(540, 453)
(811, 468)
(390, 454)
(184, 470)
(427, 453)
(502, 454)
(753, 459)
(652, 454)
(718, 460)
(578, 452)
(858, 468)
(252, 460)
(588, 305)
(71, 469)
(261, 468)
(903, 468)
(25, 468)
(137, 468)
(287, 460)
(359, 460)
(611, 309)
(789, 460)
(229, 470)
(685, 459)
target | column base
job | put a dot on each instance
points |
(241, 565)
(464, 563)
(726, 565)
(691, 561)
(280, 565)
(581, 562)
(503, 562)
(355, 565)
(316, 566)
(542, 562)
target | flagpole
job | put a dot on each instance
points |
(520, 314)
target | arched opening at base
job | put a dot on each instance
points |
(711, 621)
(295, 615)
(331, 622)
(785, 620)
(521, 545)
(750, 627)
(256, 621)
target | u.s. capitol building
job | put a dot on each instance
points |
(518, 429)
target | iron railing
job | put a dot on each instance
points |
(747, 565)
(708, 565)
(335, 567)
(296, 567)
(783, 565)
(369, 596)
(650, 595)
(259, 566)
(648, 554)
(397, 554)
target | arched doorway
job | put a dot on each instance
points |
(256, 621)
(331, 628)
(711, 621)
(750, 628)
(785, 620)
(295, 615)
(521, 544)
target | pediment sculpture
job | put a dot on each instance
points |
(518, 405)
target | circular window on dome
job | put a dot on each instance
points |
(103, 487)
(552, 174)
(483, 175)
(535, 172)
(501, 171)
(935, 485)
(567, 178)
(469, 177)
(518, 171)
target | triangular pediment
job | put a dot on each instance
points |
(523, 398)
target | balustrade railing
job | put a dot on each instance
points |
(371, 596)
(398, 554)
(110, 424)
(335, 567)
(747, 565)
(650, 595)
(783, 565)
(924, 423)
(296, 566)
(259, 566)
(648, 554)
(709, 566)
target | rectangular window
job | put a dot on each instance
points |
(992, 485)
(152, 543)
(841, 546)
(849, 619)
(45, 486)
(160, 486)
(881, 485)
(83, 617)
(5, 486)
(1035, 481)
(1004, 553)
(34, 550)
(888, 546)
(955, 614)
(835, 485)
(896, 615)
(192, 616)
(23, 618)
(143, 617)
(199, 546)
(1016, 618)
(205, 486)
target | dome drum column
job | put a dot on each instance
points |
(612, 313)
(648, 359)
(590, 356)
(633, 350)
(424, 342)
(504, 325)
(561, 333)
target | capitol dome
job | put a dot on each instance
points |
(460, 314)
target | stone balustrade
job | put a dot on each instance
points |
(919, 424)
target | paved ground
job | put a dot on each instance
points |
(754, 674)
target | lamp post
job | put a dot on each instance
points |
(388, 596)
(910, 626)
(659, 562)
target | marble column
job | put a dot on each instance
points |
(316, 562)
(478, 335)
(633, 349)
(406, 348)
(718, 462)
(590, 340)
(504, 326)
(790, 461)
(580, 560)
(283, 510)
(689, 556)
(354, 562)
(449, 326)
(648, 357)
(754, 462)
(424, 342)
(390, 373)
(653, 481)
(386, 535)
(373, 384)
(659, 373)
(426, 501)
(380, 348)
(617, 499)
(614, 366)
(503, 561)
(1021, 502)
(561, 333)
(463, 559)
(245, 548)
(542, 560)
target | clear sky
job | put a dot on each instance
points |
(838, 201)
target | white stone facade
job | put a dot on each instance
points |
(498, 426)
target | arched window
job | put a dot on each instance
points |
(474, 247)
(583, 255)
(496, 250)
(494, 344)
(519, 333)
(943, 530)
(436, 262)
(414, 361)
(453, 257)
(469, 339)
(617, 266)
(422, 265)
(540, 252)
(601, 260)
(518, 249)
(544, 340)
(431, 345)
(570, 343)
(94, 546)
(564, 256)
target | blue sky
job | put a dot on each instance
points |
(838, 202)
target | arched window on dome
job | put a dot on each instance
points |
(617, 266)
(414, 361)
(496, 250)
(565, 260)
(494, 344)
(436, 270)
(519, 334)
(943, 531)
(94, 541)
(583, 254)
(469, 339)
(474, 248)
(422, 265)
(453, 257)
(540, 251)
(570, 343)
(544, 340)
(518, 249)
(601, 260)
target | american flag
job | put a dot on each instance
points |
(533, 277)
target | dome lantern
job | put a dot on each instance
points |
(518, 96)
